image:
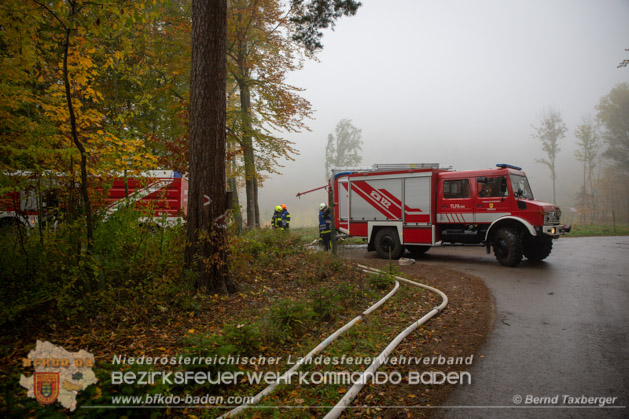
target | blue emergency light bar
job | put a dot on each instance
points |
(508, 166)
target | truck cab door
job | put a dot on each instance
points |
(491, 199)
(455, 204)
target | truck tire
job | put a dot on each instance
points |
(417, 250)
(508, 247)
(538, 248)
(10, 224)
(387, 241)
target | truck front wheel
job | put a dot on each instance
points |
(538, 248)
(508, 247)
(10, 224)
(387, 244)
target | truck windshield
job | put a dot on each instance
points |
(521, 188)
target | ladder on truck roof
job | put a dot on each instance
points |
(402, 166)
(391, 167)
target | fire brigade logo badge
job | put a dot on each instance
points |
(59, 375)
(46, 387)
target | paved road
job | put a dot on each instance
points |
(561, 330)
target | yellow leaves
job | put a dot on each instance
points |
(93, 51)
(90, 93)
(98, 395)
(124, 153)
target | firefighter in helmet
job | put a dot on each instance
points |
(276, 220)
(325, 226)
(284, 218)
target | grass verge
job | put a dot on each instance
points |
(586, 230)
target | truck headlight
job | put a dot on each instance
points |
(551, 217)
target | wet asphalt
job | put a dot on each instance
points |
(559, 345)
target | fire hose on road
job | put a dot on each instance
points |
(355, 389)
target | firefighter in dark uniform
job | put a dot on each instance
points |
(276, 220)
(284, 218)
(325, 226)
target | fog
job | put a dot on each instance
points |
(456, 82)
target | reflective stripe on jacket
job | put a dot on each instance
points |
(325, 222)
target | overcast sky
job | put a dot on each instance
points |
(456, 82)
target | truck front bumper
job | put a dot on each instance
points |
(555, 230)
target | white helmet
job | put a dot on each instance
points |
(322, 206)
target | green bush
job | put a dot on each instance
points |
(49, 273)
(328, 303)
(244, 338)
(325, 304)
(384, 280)
(353, 295)
(267, 246)
(287, 320)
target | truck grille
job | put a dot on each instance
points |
(552, 217)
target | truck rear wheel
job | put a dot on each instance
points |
(387, 243)
(508, 247)
(538, 248)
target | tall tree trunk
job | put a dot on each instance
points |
(554, 175)
(75, 138)
(593, 192)
(584, 197)
(207, 251)
(256, 202)
(233, 186)
(248, 154)
(236, 211)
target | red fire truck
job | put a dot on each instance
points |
(163, 193)
(416, 206)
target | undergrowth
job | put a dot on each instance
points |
(289, 297)
(48, 275)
